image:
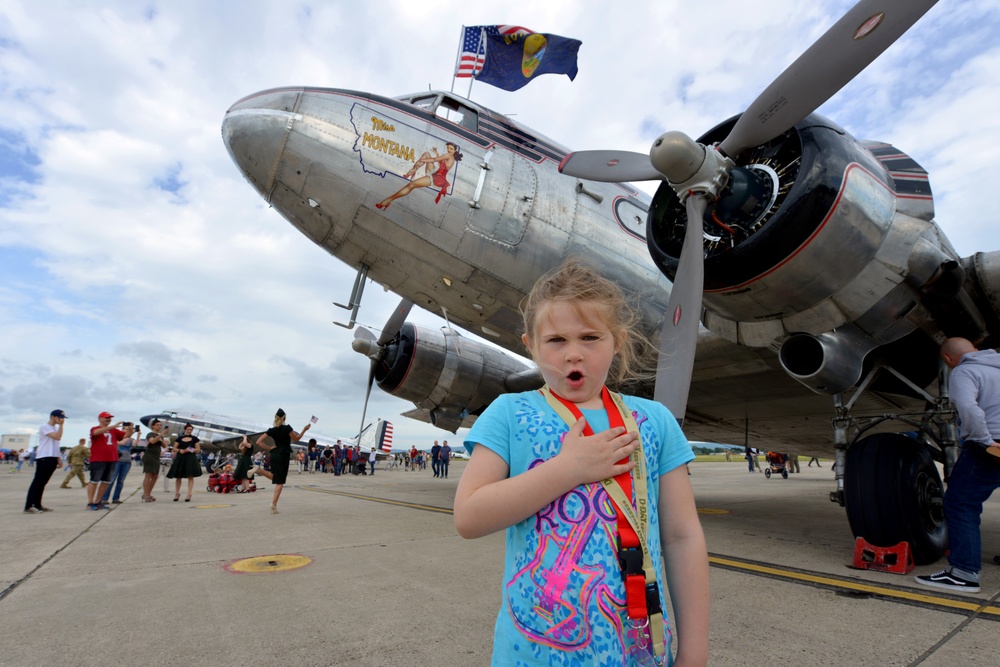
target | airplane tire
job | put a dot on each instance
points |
(893, 492)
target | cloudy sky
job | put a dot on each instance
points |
(139, 271)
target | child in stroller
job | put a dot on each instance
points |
(776, 463)
(224, 482)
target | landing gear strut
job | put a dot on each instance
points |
(889, 482)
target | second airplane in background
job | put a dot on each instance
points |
(222, 433)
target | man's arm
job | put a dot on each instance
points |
(971, 418)
(101, 430)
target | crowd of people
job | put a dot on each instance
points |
(103, 461)
(17, 458)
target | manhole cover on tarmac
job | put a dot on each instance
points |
(267, 564)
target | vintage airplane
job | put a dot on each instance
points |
(222, 433)
(828, 286)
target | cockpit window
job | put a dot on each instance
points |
(446, 107)
(457, 112)
(427, 102)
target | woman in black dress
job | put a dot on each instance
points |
(242, 473)
(187, 449)
(281, 453)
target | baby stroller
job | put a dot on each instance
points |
(221, 482)
(776, 463)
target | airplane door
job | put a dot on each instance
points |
(519, 203)
(503, 199)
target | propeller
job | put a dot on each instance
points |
(619, 166)
(699, 173)
(375, 349)
(860, 36)
(679, 334)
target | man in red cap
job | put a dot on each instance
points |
(104, 441)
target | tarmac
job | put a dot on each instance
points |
(361, 571)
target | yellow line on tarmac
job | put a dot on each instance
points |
(972, 606)
(387, 501)
(932, 601)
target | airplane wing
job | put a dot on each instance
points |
(742, 395)
(424, 415)
(230, 444)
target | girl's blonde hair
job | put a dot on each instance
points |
(279, 417)
(575, 281)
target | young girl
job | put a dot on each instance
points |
(243, 466)
(557, 469)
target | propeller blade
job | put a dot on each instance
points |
(365, 343)
(864, 32)
(609, 166)
(368, 393)
(395, 321)
(679, 336)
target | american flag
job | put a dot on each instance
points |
(473, 54)
(387, 437)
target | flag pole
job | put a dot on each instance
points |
(458, 58)
(475, 68)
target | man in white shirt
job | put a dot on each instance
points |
(46, 461)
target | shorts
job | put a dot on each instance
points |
(102, 471)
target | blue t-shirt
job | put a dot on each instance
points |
(563, 600)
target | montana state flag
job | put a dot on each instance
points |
(514, 60)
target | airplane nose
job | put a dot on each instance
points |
(148, 418)
(255, 130)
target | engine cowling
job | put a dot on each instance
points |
(449, 376)
(824, 246)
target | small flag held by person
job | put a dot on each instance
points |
(314, 419)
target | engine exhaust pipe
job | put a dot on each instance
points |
(828, 363)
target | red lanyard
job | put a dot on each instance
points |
(630, 552)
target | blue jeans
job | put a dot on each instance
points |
(973, 480)
(121, 469)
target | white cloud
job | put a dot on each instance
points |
(141, 272)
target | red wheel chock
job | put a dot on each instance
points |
(896, 559)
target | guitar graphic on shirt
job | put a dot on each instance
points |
(562, 591)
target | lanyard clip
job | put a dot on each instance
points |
(630, 560)
(653, 599)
